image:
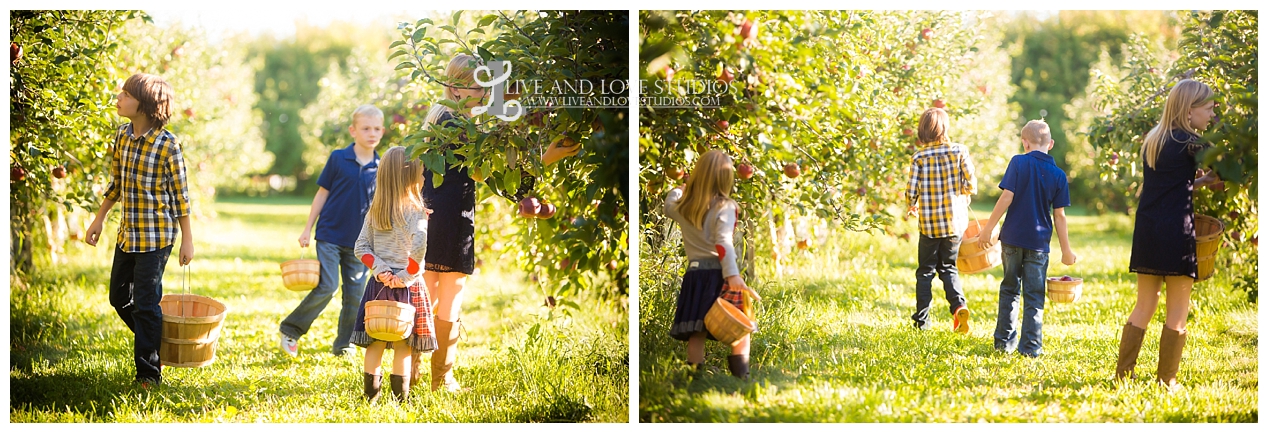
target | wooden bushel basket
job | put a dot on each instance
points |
(388, 320)
(191, 330)
(1064, 291)
(1208, 231)
(301, 274)
(727, 323)
(972, 259)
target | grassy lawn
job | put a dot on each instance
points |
(70, 355)
(836, 344)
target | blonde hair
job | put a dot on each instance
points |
(397, 187)
(1186, 95)
(460, 72)
(713, 179)
(366, 110)
(934, 123)
(1037, 133)
(154, 97)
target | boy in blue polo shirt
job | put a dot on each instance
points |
(346, 188)
(1036, 194)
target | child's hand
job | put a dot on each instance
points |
(911, 212)
(1069, 258)
(1208, 179)
(984, 242)
(385, 277)
(303, 239)
(187, 252)
(737, 282)
(94, 233)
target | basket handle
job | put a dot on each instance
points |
(748, 299)
(185, 286)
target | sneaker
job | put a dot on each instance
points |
(290, 345)
(961, 322)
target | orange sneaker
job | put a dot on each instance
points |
(961, 320)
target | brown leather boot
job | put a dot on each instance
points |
(373, 383)
(1169, 349)
(1128, 351)
(400, 387)
(446, 353)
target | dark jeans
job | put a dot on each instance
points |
(1025, 277)
(936, 255)
(335, 260)
(136, 287)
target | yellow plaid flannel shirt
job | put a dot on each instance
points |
(147, 178)
(941, 177)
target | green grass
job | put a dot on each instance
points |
(71, 355)
(835, 344)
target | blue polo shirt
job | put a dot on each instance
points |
(1038, 186)
(351, 187)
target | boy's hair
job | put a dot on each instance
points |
(399, 184)
(712, 179)
(1186, 95)
(366, 110)
(459, 72)
(934, 123)
(153, 95)
(1036, 133)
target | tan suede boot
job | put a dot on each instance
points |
(1170, 347)
(446, 353)
(1128, 351)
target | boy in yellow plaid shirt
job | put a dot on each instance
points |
(147, 175)
(941, 182)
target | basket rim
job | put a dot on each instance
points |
(735, 316)
(224, 309)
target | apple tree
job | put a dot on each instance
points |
(822, 105)
(1220, 49)
(583, 244)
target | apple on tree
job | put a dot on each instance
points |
(792, 170)
(529, 207)
(546, 210)
(59, 172)
(745, 171)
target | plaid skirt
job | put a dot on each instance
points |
(423, 337)
(701, 286)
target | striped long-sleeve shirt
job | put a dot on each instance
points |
(942, 179)
(400, 250)
(147, 177)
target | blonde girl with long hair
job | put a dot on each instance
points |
(703, 208)
(1164, 245)
(393, 244)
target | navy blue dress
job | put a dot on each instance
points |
(451, 227)
(1164, 241)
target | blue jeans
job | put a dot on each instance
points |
(936, 255)
(1025, 276)
(335, 260)
(136, 287)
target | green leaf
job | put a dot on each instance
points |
(396, 44)
(488, 19)
(404, 65)
(418, 34)
(397, 53)
(437, 178)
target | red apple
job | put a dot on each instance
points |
(907, 131)
(1066, 278)
(1232, 215)
(669, 74)
(726, 76)
(1236, 235)
(529, 207)
(862, 190)
(15, 53)
(178, 51)
(675, 173)
(419, 107)
(563, 264)
(723, 125)
(1255, 240)
(397, 118)
(905, 67)
(905, 236)
(17, 174)
(748, 30)
(612, 265)
(189, 112)
(547, 210)
(792, 170)
(926, 34)
(803, 244)
(745, 171)
(898, 89)
(938, 103)
(1113, 160)
(59, 172)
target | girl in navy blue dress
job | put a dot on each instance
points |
(1164, 245)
